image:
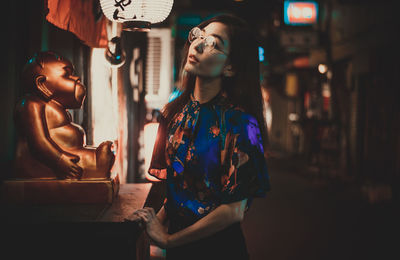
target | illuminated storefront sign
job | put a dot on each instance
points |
(300, 13)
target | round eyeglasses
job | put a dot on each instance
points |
(210, 41)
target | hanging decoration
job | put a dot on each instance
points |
(136, 15)
(80, 18)
(115, 53)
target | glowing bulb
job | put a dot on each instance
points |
(293, 117)
(326, 91)
(322, 68)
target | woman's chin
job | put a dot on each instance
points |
(190, 69)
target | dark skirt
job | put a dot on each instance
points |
(225, 244)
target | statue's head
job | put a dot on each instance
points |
(52, 76)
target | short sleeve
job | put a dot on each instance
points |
(158, 164)
(246, 176)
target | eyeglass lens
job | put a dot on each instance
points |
(196, 32)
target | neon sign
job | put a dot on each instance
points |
(300, 13)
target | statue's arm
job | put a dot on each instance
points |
(33, 122)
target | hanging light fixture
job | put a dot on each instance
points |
(136, 15)
(114, 53)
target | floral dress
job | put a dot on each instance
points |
(211, 154)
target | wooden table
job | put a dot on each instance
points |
(93, 231)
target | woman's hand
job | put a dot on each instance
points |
(154, 228)
(218, 219)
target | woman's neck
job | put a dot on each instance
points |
(206, 89)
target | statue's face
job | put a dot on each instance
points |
(65, 86)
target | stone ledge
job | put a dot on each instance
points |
(59, 191)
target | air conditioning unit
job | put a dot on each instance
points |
(159, 67)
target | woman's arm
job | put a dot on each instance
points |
(220, 218)
(162, 216)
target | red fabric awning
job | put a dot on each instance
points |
(78, 17)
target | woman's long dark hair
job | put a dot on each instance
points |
(243, 89)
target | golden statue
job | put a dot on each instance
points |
(49, 145)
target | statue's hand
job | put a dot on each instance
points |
(68, 164)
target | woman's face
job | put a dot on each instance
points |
(205, 61)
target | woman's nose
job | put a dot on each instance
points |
(199, 47)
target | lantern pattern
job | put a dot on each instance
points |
(136, 12)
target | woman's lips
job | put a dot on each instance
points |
(192, 59)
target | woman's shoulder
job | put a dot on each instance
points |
(244, 124)
(237, 116)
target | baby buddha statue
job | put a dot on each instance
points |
(49, 144)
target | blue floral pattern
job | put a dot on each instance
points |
(211, 154)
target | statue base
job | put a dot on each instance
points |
(59, 191)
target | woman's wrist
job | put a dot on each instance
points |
(170, 241)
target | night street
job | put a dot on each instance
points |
(308, 218)
(114, 107)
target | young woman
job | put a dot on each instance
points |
(210, 146)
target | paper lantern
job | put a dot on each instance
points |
(136, 15)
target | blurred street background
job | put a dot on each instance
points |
(329, 72)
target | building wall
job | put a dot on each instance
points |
(365, 58)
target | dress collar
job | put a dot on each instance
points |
(214, 101)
